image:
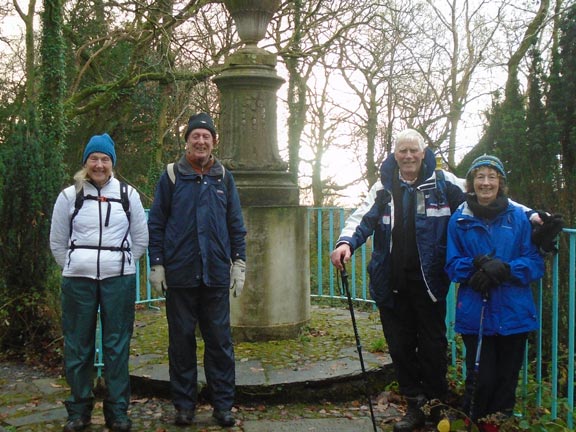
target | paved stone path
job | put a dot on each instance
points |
(269, 399)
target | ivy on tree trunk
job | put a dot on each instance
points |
(32, 179)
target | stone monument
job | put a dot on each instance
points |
(275, 303)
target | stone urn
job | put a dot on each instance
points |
(252, 18)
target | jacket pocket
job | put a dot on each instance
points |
(379, 272)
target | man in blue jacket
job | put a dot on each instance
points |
(197, 253)
(407, 212)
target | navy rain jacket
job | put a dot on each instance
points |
(196, 226)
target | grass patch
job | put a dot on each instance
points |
(326, 334)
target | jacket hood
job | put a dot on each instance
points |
(389, 167)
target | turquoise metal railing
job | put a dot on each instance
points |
(554, 376)
(326, 223)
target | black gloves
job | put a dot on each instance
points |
(481, 282)
(491, 273)
(497, 270)
(544, 236)
(480, 260)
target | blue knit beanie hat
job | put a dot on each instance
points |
(200, 121)
(487, 161)
(100, 144)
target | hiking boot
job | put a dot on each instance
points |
(438, 409)
(76, 424)
(184, 417)
(224, 418)
(414, 418)
(120, 425)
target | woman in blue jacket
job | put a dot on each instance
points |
(490, 253)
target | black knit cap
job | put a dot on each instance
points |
(200, 121)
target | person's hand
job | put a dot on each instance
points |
(482, 283)
(237, 277)
(544, 235)
(157, 280)
(535, 218)
(341, 255)
(497, 270)
(490, 273)
(480, 260)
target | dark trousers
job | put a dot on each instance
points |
(415, 331)
(499, 368)
(81, 298)
(210, 309)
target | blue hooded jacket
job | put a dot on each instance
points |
(436, 198)
(510, 308)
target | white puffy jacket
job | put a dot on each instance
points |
(89, 228)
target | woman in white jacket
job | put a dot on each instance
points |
(98, 233)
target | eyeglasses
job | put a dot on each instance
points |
(492, 178)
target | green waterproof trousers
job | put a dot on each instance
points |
(81, 298)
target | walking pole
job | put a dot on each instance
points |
(477, 363)
(344, 277)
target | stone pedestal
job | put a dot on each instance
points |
(275, 303)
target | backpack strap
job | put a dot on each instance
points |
(125, 246)
(440, 175)
(171, 172)
(77, 206)
(124, 199)
(440, 189)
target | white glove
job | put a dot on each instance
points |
(158, 281)
(237, 277)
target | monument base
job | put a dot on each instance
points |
(275, 303)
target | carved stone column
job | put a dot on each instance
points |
(276, 299)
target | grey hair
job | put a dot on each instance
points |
(410, 135)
